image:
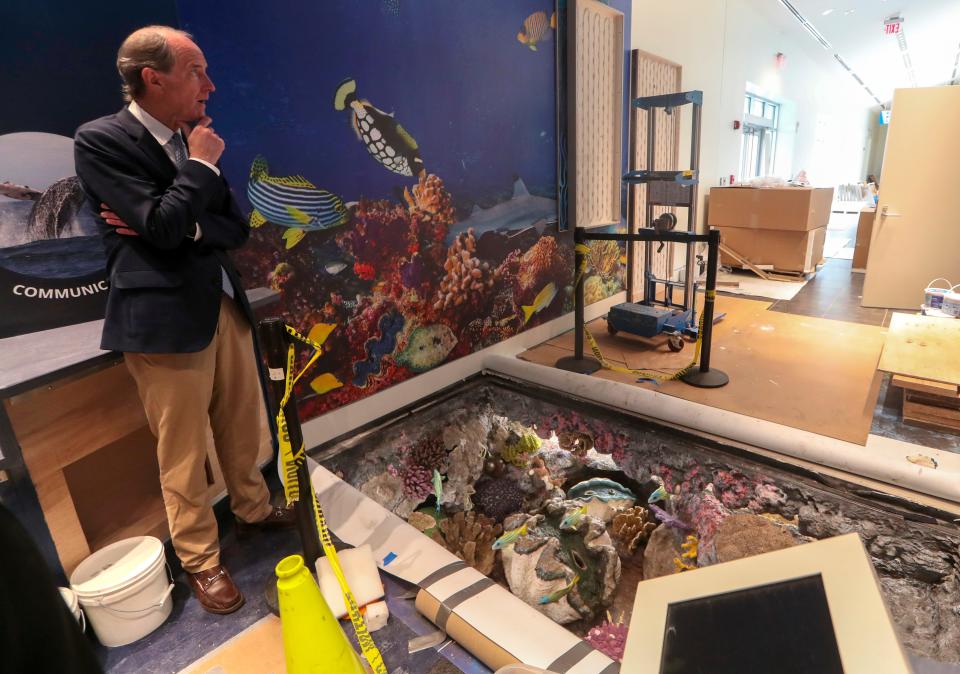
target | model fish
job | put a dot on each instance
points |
(534, 28)
(386, 141)
(327, 381)
(427, 347)
(437, 487)
(292, 201)
(540, 302)
(659, 494)
(557, 595)
(572, 518)
(509, 537)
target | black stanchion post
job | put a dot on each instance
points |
(275, 340)
(576, 362)
(702, 376)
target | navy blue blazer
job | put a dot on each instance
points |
(165, 288)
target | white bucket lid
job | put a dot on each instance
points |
(117, 566)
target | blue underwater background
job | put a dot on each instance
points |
(389, 284)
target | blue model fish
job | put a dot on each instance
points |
(509, 537)
(557, 595)
(385, 140)
(292, 201)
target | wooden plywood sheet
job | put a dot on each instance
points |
(815, 374)
(258, 648)
(926, 347)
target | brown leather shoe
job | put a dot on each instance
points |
(215, 590)
(280, 517)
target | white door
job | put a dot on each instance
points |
(916, 234)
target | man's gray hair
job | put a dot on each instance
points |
(145, 48)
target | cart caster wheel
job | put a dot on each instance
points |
(612, 330)
(675, 342)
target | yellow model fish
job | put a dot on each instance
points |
(509, 537)
(534, 28)
(327, 381)
(572, 518)
(557, 595)
(540, 302)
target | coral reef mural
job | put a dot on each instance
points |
(400, 182)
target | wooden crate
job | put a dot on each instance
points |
(930, 402)
(92, 460)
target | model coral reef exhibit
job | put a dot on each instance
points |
(570, 509)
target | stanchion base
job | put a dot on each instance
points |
(710, 379)
(270, 595)
(585, 365)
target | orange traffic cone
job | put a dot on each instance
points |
(313, 641)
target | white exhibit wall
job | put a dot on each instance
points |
(728, 46)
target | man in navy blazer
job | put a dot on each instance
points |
(176, 308)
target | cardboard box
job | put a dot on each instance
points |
(799, 209)
(783, 250)
(861, 248)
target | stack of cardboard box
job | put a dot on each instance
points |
(783, 227)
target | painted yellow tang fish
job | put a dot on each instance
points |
(327, 381)
(540, 302)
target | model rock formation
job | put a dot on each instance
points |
(567, 573)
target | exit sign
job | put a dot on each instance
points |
(892, 26)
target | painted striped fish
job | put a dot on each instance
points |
(535, 29)
(292, 202)
(385, 140)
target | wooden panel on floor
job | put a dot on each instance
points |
(922, 346)
(259, 648)
(814, 374)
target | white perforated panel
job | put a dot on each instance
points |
(596, 112)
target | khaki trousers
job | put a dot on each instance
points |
(180, 393)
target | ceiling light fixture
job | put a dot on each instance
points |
(904, 51)
(807, 25)
(826, 45)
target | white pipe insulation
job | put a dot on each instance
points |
(881, 459)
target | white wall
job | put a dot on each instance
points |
(722, 46)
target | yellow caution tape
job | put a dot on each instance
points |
(583, 249)
(291, 462)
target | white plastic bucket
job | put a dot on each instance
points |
(951, 303)
(70, 599)
(933, 295)
(124, 589)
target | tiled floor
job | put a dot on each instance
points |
(835, 292)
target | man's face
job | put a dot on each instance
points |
(186, 87)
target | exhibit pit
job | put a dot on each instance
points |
(569, 505)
